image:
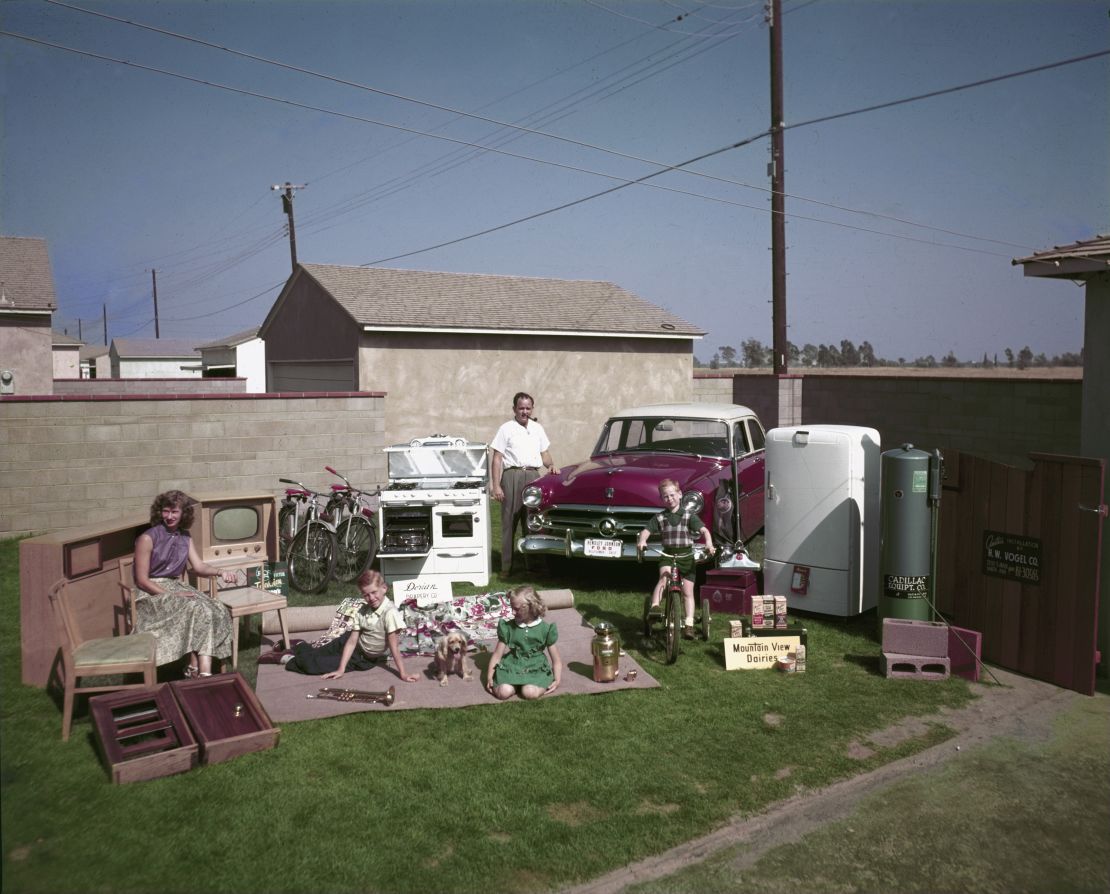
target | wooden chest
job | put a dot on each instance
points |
(141, 734)
(226, 717)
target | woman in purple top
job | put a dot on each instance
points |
(184, 620)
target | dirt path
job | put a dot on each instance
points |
(1020, 708)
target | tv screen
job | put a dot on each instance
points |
(235, 523)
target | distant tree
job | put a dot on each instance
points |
(715, 362)
(928, 361)
(728, 355)
(793, 352)
(866, 354)
(1040, 360)
(1025, 358)
(755, 354)
(950, 359)
(996, 359)
(849, 356)
(1068, 359)
(809, 354)
(901, 361)
(697, 363)
(1009, 357)
(986, 361)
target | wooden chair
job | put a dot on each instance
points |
(106, 656)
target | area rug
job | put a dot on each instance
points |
(284, 694)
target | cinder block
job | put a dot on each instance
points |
(964, 652)
(905, 637)
(918, 667)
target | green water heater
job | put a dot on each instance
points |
(910, 505)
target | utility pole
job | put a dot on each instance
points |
(105, 307)
(778, 197)
(154, 282)
(287, 207)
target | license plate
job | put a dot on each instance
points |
(602, 549)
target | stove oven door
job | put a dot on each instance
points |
(459, 526)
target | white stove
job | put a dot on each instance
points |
(434, 512)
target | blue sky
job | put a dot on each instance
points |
(123, 169)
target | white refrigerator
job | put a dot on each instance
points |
(822, 518)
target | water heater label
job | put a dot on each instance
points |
(906, 586)
(921, 481)
(1012, 556)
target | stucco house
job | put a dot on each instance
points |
(95, 362)
(27, 305)
(241, 355)
(456, 347)
(1088, 262)
(66, 351)
(154, 358)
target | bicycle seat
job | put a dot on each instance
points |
(296, 492)
(339, 487)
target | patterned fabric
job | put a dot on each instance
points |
(525, 660)
(183, 620)
(677, 529)
(475, 616)
(343, 622)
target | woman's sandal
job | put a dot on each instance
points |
(191, 672)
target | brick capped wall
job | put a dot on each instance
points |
(70, 461)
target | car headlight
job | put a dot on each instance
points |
(692, 501)
(532, 496)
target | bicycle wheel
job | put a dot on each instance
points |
(356, 543)
(706, 620)
(647, 618)
(287, 529)
(312, 557)
(672, 634)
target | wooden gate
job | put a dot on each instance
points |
(1018, 560)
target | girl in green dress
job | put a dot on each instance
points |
(519, 664)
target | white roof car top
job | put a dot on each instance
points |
(688, 411)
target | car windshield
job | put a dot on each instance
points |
(704, 437)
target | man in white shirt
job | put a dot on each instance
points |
(520, 455)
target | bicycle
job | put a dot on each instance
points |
(294, 512)
(673, 610)
(312, 550)
(356, 535)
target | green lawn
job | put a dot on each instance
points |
(498, 797)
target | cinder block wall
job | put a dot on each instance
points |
(713, 388)
(71, 461)
(149, 387)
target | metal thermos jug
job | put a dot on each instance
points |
(606, 649)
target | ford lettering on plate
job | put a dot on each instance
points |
(596, 548)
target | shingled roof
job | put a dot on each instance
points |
(231, 341)
(1087, 256)
(379, 297)
(154, 348)
(26, 282)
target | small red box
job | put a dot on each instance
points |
(729, 591)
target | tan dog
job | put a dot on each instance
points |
(451, 658)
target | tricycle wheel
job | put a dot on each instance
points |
(673, 622)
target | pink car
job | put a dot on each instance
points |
(595, 509)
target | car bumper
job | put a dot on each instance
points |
(571, 547)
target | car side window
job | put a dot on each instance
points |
(739, 439)
(757, 438)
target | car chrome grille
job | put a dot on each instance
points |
(585, 520)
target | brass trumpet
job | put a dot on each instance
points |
(355, 695)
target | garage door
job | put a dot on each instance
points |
(323, 375)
